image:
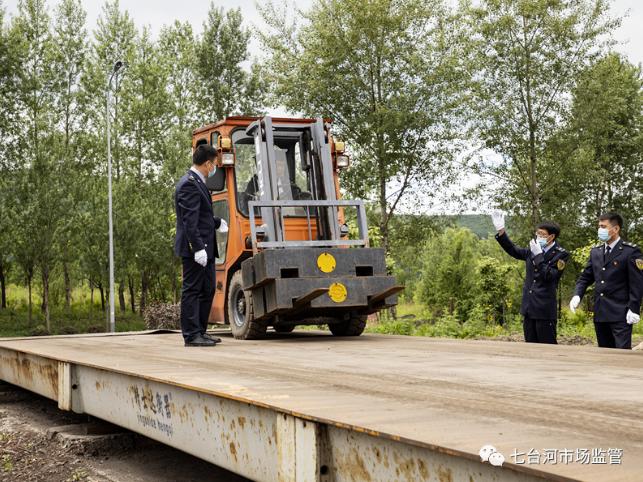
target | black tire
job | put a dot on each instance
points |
(239, 312)
(284, 328)
(354, 326)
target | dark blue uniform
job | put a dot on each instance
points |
(539, 306)
(619, 286)
(195, 230)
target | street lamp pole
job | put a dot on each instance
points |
(112, 322)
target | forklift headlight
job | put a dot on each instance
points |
(227, 158)
(340, 146)
(343, 161)
(343, 230)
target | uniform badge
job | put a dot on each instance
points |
(560, 265)
(639, 264)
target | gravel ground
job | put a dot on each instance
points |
(29, 454)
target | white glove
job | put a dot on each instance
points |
(498, 219)
(573, 304)
(632, 318)
(535, 247)
(223, 228)
(201, 257)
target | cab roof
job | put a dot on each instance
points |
(243, 121)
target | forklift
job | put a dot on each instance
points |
(289, 257)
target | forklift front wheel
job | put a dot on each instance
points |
(240, 313)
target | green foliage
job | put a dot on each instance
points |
(226, 88)
(601, 146)
(448, 271)
(526, 57)
(467, 278)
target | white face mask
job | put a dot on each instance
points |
(214, 169)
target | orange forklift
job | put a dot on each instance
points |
(289, 257)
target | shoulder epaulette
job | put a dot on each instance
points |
(600, 245)
(561, 249)
(631, 245)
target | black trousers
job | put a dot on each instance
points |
(613, 334)
(539, 331)
(196, 297)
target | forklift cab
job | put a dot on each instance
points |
(287, 259)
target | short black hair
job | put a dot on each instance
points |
(551, 227)
(612, 217)
(203, 153)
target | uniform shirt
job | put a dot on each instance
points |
(541, 280)
(619, 280)
(612, 245)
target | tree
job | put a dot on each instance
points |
(448, 272)
(386, 73)
(9, 126)
(146, 118)
(526, 58)
(70, 50)
(606, 131)
(37, 178)
(115, 39)
(221, 52)
(594, 162)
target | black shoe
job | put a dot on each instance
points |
(199, 340)
(215, 339)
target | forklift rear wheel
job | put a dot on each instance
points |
(240, 312)
(354, 326)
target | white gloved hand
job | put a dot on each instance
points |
(573, 304)
(535, 247)
(632, 318)
(201, 257)
(223, 227)
(498, 220)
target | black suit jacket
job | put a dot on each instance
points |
(541, 279)
(196, 225)
(618, 278)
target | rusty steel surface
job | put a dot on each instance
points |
(446, 398)
(34, 373)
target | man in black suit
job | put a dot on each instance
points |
(545, 261)
(196, 244)
(616, 267)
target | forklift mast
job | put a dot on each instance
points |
(322, 207)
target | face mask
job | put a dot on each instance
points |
(603, 234)
(541, 241)
(211, 173)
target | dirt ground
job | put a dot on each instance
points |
(28, 453)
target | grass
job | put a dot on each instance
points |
(415, 320)
(81, 319)
(84, 317)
